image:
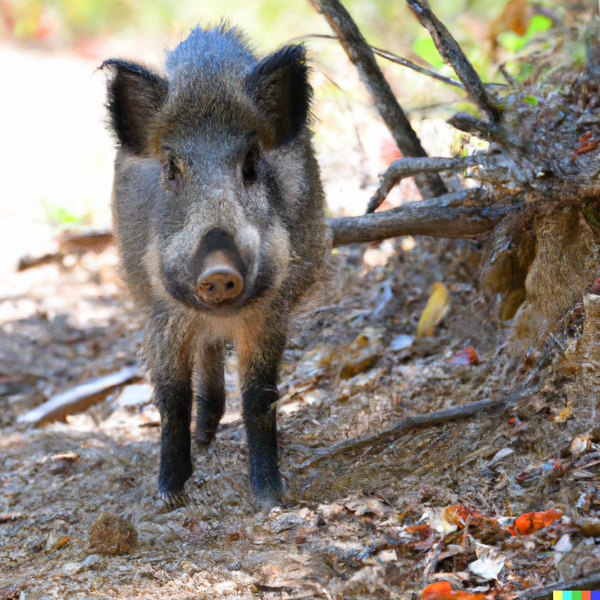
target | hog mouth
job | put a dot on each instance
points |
(259, 284)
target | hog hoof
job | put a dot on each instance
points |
(177, 499)
(203, 441)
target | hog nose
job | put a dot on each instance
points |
(220, 281)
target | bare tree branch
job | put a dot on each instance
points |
(408, 167)
(357, 49)
(453, 56)
(484, 130)
(461, 215)
(438, 417)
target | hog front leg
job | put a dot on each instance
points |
(259, 361)
(171, 376)
(210, 393)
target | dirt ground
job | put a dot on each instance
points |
(381, 520)
(347, 528)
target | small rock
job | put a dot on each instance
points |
(110, 534)
(71, 568)
(400, 342)
(503, 453)
(90, 561)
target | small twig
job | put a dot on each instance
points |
(591, 582)
(433, 560)
(417, 422)
(357, 49)
(453, 56)
(399, 60)
(408, 167)
(466, 214)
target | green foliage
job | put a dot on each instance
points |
(530, 100)
(425, 48)
(514, 43)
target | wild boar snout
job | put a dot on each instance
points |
(221, 270)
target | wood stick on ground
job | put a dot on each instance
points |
(79, 398)
(462, 215)
(408, 167)
(453, 56)
(357, 49)
(417, 422)
(591, 582)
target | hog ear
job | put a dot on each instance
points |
(134, 96)
(279, 87)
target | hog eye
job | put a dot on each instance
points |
(249, 165)
(591, 212)
(171, 171)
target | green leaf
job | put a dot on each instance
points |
(513, 42)
(425, 48)
(531, 99)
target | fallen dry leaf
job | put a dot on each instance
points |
(437, 306)
(530, 522)
(442, 590)
(458, 515)
(580, 444)
(465, 357)
(488, 566)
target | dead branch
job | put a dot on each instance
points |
(386, 104)
(79, 398)
(591, 582)
(417, 422)
(28, 262)
(453, 56)
(461, 215)
(408, 167)
(484, 130)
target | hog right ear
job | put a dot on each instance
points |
(134, 97)
(279, 87)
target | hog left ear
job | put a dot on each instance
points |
(279, 87)
(134, 97)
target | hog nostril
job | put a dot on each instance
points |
(219, 283)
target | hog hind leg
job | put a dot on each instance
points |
(259, 361)
(210, 392)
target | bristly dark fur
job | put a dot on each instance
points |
(216, 164)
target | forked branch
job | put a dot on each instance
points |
(386, 104)
(408, 167)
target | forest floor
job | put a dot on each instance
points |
(363, 524)
(381, 520)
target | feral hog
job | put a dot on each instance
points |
(218, 210)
